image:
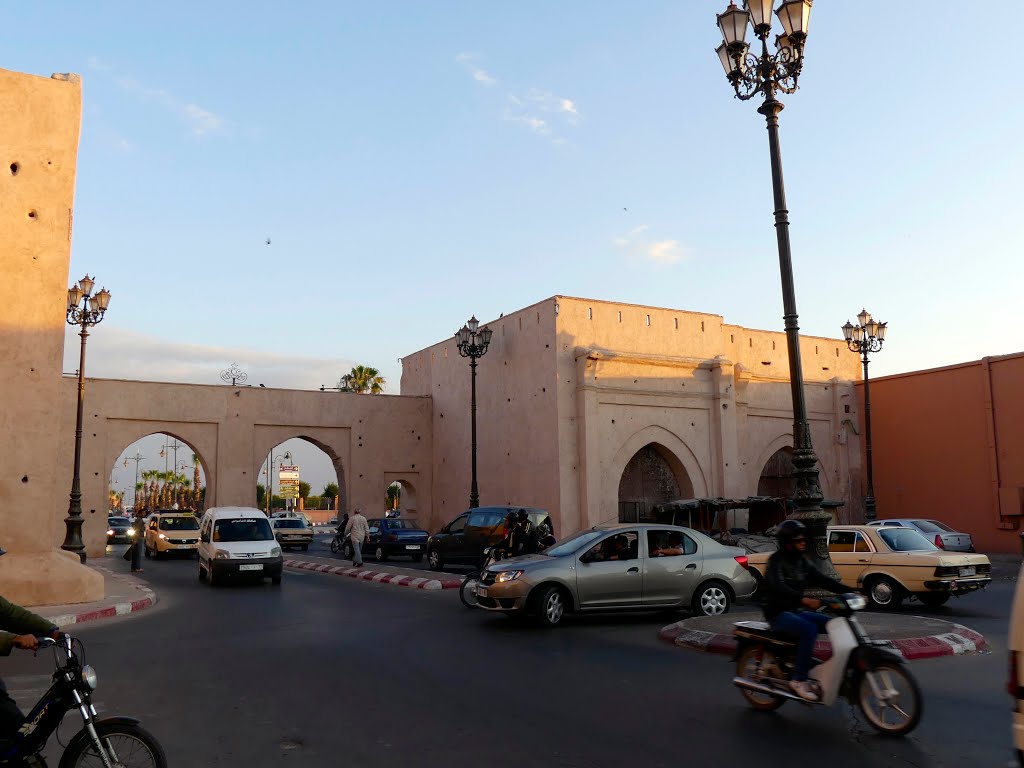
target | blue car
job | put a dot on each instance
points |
(392, 537)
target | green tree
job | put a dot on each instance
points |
(304, 489)
(393, 496)
(261, 496)
(362, 380)
(330, 491)
(314, 502)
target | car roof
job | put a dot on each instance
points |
(231, 512)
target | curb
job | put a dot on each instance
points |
(379, 577)
(958, 641)
(118, 609)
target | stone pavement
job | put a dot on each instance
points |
(123, 594)
(913, 637)
(380, 573)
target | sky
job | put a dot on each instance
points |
(415, 163)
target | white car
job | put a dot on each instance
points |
(238, 541)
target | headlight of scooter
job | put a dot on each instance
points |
(89, 679)
(856, 602)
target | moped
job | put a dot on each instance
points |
(869, 676)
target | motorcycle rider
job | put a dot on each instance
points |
(19, 628)
(524, 535)
(789, 612)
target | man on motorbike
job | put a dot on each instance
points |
(788, 574)
(18, 629)
(524, 535)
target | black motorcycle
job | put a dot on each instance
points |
(111, 742)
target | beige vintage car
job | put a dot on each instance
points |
(891, 563)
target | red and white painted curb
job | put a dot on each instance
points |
(147, 598)
(959, 640)
(395, 580)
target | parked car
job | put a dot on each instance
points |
(619, 568)
(390, 537)
(466, 537)
(940, 534)
(238, 541)
(169, 532)
(120, 531)
(1015, 681)
(292, 532)
(892, 563)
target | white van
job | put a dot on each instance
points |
(1015, 684)
(238, 541)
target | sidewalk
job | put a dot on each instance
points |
(913, 637)
(123, 594)
(380, 573)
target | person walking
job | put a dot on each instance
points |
(357, 531)
(134, 550)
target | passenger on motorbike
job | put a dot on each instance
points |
(545, 538)
(789, 612)
(19, 628)
(524, 535)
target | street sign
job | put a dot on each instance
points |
(288, 479)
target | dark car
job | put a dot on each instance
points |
(466, 537)
(120, 531)
(391, 537)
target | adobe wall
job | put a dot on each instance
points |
(40, 119)
(947, 444)
(372, 440)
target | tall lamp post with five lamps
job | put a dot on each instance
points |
(763, 73)
(86, 310)
(472, 341)
(863, 339)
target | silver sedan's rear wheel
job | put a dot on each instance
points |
(711, 599)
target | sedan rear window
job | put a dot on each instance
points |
(905, 540)
(932, 526)
(401, 525)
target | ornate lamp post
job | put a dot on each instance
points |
(269, 493)
(863, 339)
(472, 341)
(86, 310)
(765, 73)
(136, 458)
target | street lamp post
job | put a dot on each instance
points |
(136, 458)
(753, 74)
(866, 338)
(269, 494)
(86, 310)
(472, 341)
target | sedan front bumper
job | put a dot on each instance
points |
(509, 596)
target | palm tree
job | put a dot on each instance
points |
(195, 478)
(362, 380)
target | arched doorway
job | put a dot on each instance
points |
(652, 476)
(301, 474)
(777, 478)
(400, 497)
(159, 471)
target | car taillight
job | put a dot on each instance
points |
(938, 541)
(743, 560)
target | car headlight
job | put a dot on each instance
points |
(220, 554)
(110, 532)
(160, 536)
(275, 552)
(131, 531)
(508, 576)
(89, 679)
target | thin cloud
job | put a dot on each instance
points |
(479, 74)
(665, 252)
(662, 252)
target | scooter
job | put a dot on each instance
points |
(869, 676)
(113, 742)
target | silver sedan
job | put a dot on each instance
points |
(619, 568)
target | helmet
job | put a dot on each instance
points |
(522, 514)
(789, 530)
(544, 529)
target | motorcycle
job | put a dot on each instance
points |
(337, 543)
(112, 742)
(870, 677)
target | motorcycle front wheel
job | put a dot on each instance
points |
(467, 592)
(127, 745)
(335, 546)
(749, 666)
(890, 699)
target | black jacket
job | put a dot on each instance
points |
(787, 576)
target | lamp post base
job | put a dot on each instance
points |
(73, 537)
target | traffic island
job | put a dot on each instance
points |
(379, 574)
(912, 637)
(123, 595)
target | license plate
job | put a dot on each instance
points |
(481, 591)
(969, 571)
(412, 546)
(251, 567)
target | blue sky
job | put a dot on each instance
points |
(414, 163)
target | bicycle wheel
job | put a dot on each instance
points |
(127, 745)
(467, 592)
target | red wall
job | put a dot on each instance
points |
(945, 441)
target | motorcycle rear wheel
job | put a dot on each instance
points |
(748, 666)
(898, 710)
(467, 592)
(135, 748)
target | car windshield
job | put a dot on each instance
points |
(243, 529)
(289, 524)
(117, 521)
(187, 523)
(574, 543)
(931, 526)
(401, 525)
(905, 540)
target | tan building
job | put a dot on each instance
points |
(596, 411)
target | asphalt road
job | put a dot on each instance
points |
(325, 671)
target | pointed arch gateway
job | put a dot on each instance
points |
(652, 476)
